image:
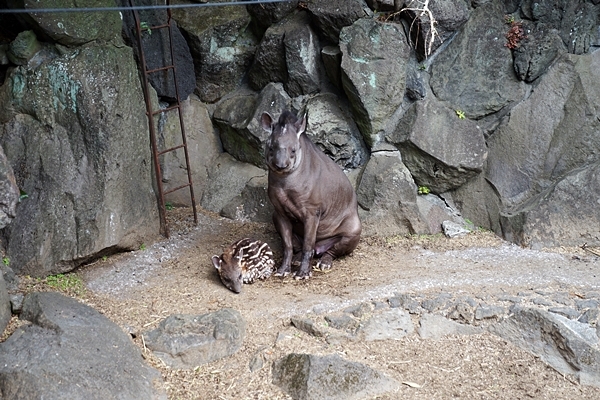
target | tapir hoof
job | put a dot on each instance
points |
(324, 263)
(283, 272)
(300, 275)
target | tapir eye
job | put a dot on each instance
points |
(240, 277)
(293, 151)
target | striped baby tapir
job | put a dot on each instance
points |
(245, 261)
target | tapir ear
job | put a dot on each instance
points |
(216, 260)
(266, 121)
(301, 125)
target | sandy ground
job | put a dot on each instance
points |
(139, 289)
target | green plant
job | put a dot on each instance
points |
(144, 25)
(168, 206)
(22, 195)
(104, 258)
(509, 19)
(460, 114)
(69, 283)
(143, 246)
(422, 67)
(423, 190)
(6, 261)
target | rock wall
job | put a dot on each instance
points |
(495, 114)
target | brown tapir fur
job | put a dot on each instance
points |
(316, 212)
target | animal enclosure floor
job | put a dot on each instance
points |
(139, 289)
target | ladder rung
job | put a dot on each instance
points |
(176, 106)
(151, 71)
(160, 153)
(177, 188)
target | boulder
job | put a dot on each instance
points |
(569, 346)
(448, 16)
(269, 64)
(69, 350)
(387, 196)
(374, 60)
(546, 137)
(302, 57)
(331, 127)
(75, 132)
(5, 307)
(441, 150)
(76, 28)
(227, 178)
(238, 120)
(203, 148)
(537, 52)
(310, 377)
(9, 192)
(23, 48)
(157, 50)
(186, 341)
(330, 16)
(566, 214)
(221, 44)
(474, 74)
(266, 14)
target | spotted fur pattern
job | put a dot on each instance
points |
(245, 261)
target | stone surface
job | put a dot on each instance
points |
(186, 341)
(311, 377)
(441, 150)
(330, 16)
(222, 47)
(203, 146)
(478, 52)
(75, 132)
(72, 351)
(388, 196)
(433, 326)
(9, 192)
(157, 50)
(5, 304)
(568, 346)
(374, 60)
(393, 324)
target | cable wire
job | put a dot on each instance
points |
(131, 8)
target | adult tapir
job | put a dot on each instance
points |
(316, 212)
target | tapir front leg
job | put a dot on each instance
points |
(311, 223)
(284, 228)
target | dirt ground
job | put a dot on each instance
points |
(139, 289)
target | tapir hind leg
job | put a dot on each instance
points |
(332, 248)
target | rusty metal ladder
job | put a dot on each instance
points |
(152, 113)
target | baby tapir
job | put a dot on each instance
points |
(244, 262)
(316, 212)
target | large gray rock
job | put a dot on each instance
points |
(537, 52)
(9, 192)
(569, 346)
(221, 45)
(546, 137)
(564, 215)
(5, 308)
(387, 196)
(474, 74)
(227, 178)
(374, 60)
(71, 351)
(203, 148)
(302, 57)
(76, 28)
(157, 50)
(393, 324)
(310, 377)
(186, 341)
(75, 132)
(448, 17)
(331, 127)
(266, 14)
(238, 120)
(441, 150)
(330, 16)
(269, 64)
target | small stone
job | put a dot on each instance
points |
(309, 326)
(462, 311)
(405, 301)
(584, 304)
(436, 303)
(591, 317)
(257, 361)
(452, 229)
(565, 312)
(360, 310)
(485, 312)
(542, 301)
(512, 299)
(16, 302)
(343, 321)
(562, 298)
(592, 295)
